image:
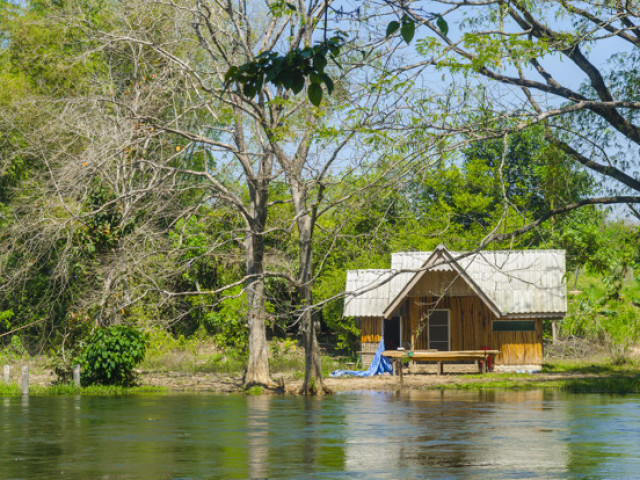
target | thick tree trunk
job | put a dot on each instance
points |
(312, 384)
(258, 364)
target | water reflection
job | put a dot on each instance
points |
(258, 435)
(368, 435)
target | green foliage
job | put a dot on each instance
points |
(104, 228)
(14, 350)
(111, 354)
(227, 322)
(536, 176)
(621, 330)
(16, 347)
(407, 29)
(346, 332)
(223, 313)
(282, 348)
(605, 310)
(5, 320)
(289, 71)
(407, 26)
(392, 28)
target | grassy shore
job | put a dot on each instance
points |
(198, 367)
(617, 384)
(14, 390)
(573, 376)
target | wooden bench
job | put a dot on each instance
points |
(481, 356)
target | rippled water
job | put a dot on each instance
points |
(430, 435)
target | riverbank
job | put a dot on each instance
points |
(593, 376)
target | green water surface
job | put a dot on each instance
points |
(434, 435)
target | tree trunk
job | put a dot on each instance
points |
(258, 364)
(555, 331)
(312, 384)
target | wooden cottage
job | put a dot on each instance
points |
(460, 301)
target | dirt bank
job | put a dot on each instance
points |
(465, 377)
(201, 382)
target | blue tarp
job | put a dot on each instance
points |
(379, 365)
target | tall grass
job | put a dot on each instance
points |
(231, 363)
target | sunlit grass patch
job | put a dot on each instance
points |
(223, 363)
(595, 366)
(616, 385)
(501, 384)
(612, 384)
(12, 390)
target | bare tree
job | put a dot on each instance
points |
(586, 105)
(261, 135)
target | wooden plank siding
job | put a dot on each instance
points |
(370, 328)
(470, 326)
(438, 283)
(520, 348)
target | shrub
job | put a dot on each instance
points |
(111, 354)
(621, 329)
(227, 323)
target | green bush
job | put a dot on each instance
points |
(111, 354)
(227, 323)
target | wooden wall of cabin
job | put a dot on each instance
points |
(371, 329)
(520, 348)
(470, 324)
(370, 335)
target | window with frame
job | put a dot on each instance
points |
(439, 330)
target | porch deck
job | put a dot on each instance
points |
(481, 356)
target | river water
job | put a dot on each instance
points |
(431, 435)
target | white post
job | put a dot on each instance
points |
(76, 375)
(554, 331)
(7, 373)
(25, 380)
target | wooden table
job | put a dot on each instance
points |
(481, 356)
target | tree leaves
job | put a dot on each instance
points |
(408, 29)
(442, 25)
(314, 91)
(392, 28)
(111, 354)
(289, 71)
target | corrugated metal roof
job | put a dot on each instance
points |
(517, 282)
(405, 265)
(520, 282)
(367, 293)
